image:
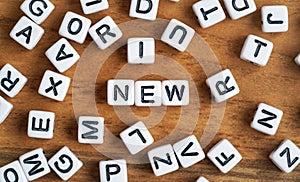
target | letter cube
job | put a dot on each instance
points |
(12, 172)
(275, 19)
(120, 92)
(175, 93)
(144, 9)
(297, 60)
(239, 8)
(113, 170)
(148, 93)
(141, 50)
(40, 124)
(5, 109)
(202, 179)
(90, 129)
(93, 6)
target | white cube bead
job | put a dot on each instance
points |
(286, 157)
(148, 93)
(267, 119)
(209, 12)
(224, 156)
(144, 9)
(120, 92)
(40, 124)
(178, 35)
(93, 6)
(62, 55)
(188, 151)
(297, 60)
(64, 163)
(163, 160)
(5, 109)
(137, 137)
(90, 129)
(175, 1)
(105, 32)
(141, 50)
(34, 164)
(202, 179)
(223, 85)
(11, 80)
(38, 11)
(275, 19)
(12, 172)
(256, 50)
(54, 85)
(113, 170)
(27, 33)
(239, 8)
(175, 93)
(75, 27)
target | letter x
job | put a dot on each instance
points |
(53, 86)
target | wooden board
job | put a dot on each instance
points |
(276, 84)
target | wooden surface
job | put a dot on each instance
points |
(276, 84)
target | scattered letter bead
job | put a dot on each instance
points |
(34, 164)
(286, 157)
(37, 10)
(90, 129)
(12, 172)
(120, 92)
(163, 160)
(54, 85)
(65, 163)
(209, 12)
(148, 93)
(275, 19)
(267, 119)
(62, 55)
(40, 124)
(105, 32)
(224, 156)
(27, 33)
(202, 179)
(297, 60)
(75, 27)
(239, 8)
(175, 92)
(93, 6)
(12, 81)
(178, 35)
(5, 109)
(144, 9)
(188, 151)
(141, 51)
(137, 137)
(223, 85)
(113, 170)
(257, 50)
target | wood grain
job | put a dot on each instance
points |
(276, 84)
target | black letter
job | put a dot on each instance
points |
(35, 169)
(288, 156)
(273, 21)
(183, 153)
(108, 173)
(146, 94)
(175, 89)
(70, 26)
(124, 96)
(62, 54)
(240, 9)
(205, 13)
(40, 128)
(40, 12)
(107, 32)
(138, 6)
(259, 46)
(93, 2)
(23, 32)
(263, 121)
(53, 86)
(226, 159)
(226, 89)
(13, 171)
(61, 158)
(184, 32)
(88, 124)
(141, 50)
(12, 83)
(168, 161)
(138, 132)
